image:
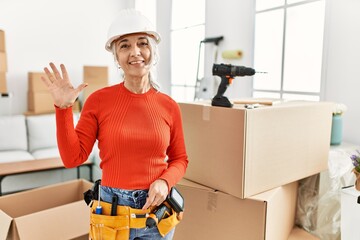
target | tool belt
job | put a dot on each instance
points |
(106, 227)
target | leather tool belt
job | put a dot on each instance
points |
(106, 227)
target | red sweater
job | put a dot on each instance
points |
(135, 132)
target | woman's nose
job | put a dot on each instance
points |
(135, 51)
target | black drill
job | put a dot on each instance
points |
(227, 72)
(163, 211)
(173, 202)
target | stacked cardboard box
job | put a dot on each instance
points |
(243, 153)
(3, 63)
(96, 77)
(39, 98)
(211, 214)
(53, 212)
(5, 97)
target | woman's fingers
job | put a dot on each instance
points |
(81, 87)
(157, 193)
(64, 72)
(49, 75)
(55, 71)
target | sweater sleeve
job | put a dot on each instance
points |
(75, 144)
(176, 152)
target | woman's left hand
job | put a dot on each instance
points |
(158, 192)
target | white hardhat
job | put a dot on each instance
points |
(130, 21)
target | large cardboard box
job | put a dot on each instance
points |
(35, 83)
(244, 152)
(53, 212)
(3, 84)
(300, 234)
(214, 215)
(3, 62)
(40, 102)
(2, 41)
(350, 213)
(96, 75)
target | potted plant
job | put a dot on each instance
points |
(355, 158)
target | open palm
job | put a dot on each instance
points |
(60, 87)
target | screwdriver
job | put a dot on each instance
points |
(98, 209)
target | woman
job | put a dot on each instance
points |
(139, 129)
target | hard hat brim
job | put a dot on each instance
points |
(152, 34)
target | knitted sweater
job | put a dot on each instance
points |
(140, 137)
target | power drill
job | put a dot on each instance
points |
(161, 212)
(174, 201)
(227, 72)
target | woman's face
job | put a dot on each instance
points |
(133, 54)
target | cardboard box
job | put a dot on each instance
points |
(214, 215)
(2, 41)
(96, 75)
(3, 84)
(40, 102)
(3, 62)
(35, 84)
(244, 152)
(301, 234)
(53, 212)
(90, 89)
(350, 213)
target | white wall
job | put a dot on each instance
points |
(235, 20)
(342, 64)
(74, 32)
(163, 22)
(40, 31)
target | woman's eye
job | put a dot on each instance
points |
(124, 46)
(143, 43)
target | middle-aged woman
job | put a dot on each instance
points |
(138, 128)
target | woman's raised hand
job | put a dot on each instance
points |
(60, 87)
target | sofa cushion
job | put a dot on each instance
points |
(41, 131)
(46, 153)
(13, 133)
(15, 156)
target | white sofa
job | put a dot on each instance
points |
(28, 138)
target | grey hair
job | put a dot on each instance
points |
(154, 59)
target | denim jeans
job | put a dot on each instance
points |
(135, 199)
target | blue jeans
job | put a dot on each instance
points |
(135, 199)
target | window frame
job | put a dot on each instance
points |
(281, 92)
